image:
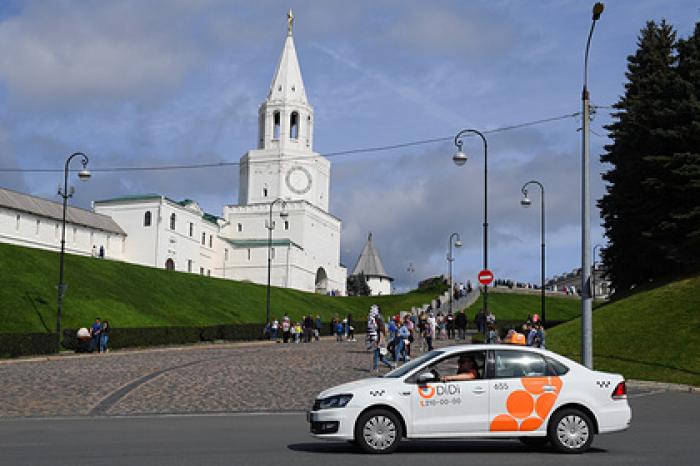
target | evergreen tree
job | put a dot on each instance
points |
(635, 208)
(684, 166)
(356, 285)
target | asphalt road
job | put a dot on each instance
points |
(664, 431)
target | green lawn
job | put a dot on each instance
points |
(134, 296)
(650, 335)
(515, 306)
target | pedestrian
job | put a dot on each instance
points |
(461, 324)
(308, 328)
(492, 335)
(104, 336)
(286, 329)
(334, 324)
(431, 330)
(275, 329)
(317, 330)
(95, 332)
(338, 331)
(102, 252)
(480, 321)
(450, 324)
(94, 251)
(375, 331)
(402, 343)
(351, 328)
(539, 339)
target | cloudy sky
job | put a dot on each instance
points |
(165, 82)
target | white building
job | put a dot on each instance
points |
(36, 223)
(167, 234)
(306, 253)
(370, 265)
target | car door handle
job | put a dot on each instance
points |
(405, 393)
(548, 388)
(479, 390)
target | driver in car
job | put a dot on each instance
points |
(466, 370)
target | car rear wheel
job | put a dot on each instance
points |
(571, 431)
(378, 431)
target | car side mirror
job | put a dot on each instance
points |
(425, 377)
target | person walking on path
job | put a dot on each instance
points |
(351, 328)
(450, 324)
(104, 336)
(95, 332)
(317, 330)
(431, 330)
(275, 329)
(375, 331)
(461, 324)
(308, 328)
(286, 328)
(480, 321)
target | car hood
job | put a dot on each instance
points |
(352, 387)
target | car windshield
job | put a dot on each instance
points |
(409, 366)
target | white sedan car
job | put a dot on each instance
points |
(527, 393)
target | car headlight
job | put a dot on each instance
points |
(335, 401)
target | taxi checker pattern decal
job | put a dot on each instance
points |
(528, 408)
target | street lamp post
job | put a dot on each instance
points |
(66, 193)
(457, 242)
(526, 202)
(586, 300)
(460, 158)
(270, 227)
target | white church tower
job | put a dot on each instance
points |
(306, 241)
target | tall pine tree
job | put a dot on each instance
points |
(684, 167)
(635, 203)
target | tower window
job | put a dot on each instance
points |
(147, 219)
(191, 229)
(276, 128)
(204, 238)
(210, 240)
(286, 224)
(264, 192)
(248, 253)
(240, 227)
(172, 221)
(17, 224)
(294, 125)
(308, 131)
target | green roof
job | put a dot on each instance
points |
(133, 197)
(259, 243)
(210, 218)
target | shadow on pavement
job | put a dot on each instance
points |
(446, 446)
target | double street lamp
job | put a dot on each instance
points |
(457, 242)
(271, 226)
(460, 158)
(526, 202)
(66, 192)
(586, 299)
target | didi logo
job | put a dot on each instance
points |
(426, 392)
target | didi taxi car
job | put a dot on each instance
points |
(519, 392)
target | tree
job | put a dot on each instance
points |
(357, 285)
(645, 208)
(643, 130)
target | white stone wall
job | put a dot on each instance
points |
(29, 230)
(379, 286)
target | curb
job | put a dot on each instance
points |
(665, 386)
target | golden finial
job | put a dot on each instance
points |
(290, 22)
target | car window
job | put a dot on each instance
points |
(409, 366)
(519, 364)
(554, 367)
(450, 365)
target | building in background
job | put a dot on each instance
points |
(370, 265)
(36, 223)
(571, 282)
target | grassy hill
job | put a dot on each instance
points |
(651, 335)
(135, 296)
(515, 306)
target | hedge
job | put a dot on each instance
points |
(20, 344)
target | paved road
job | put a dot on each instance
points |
(664, 431)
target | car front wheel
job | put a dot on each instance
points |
(378, 431)
(571, 431)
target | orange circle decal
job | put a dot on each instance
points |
(520, 404)
(544, 404)
(531, 423)
(503, 422)
(534, 385)
(426, 392)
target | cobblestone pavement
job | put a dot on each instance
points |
(213, 378)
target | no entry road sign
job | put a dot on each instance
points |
(485, 277)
